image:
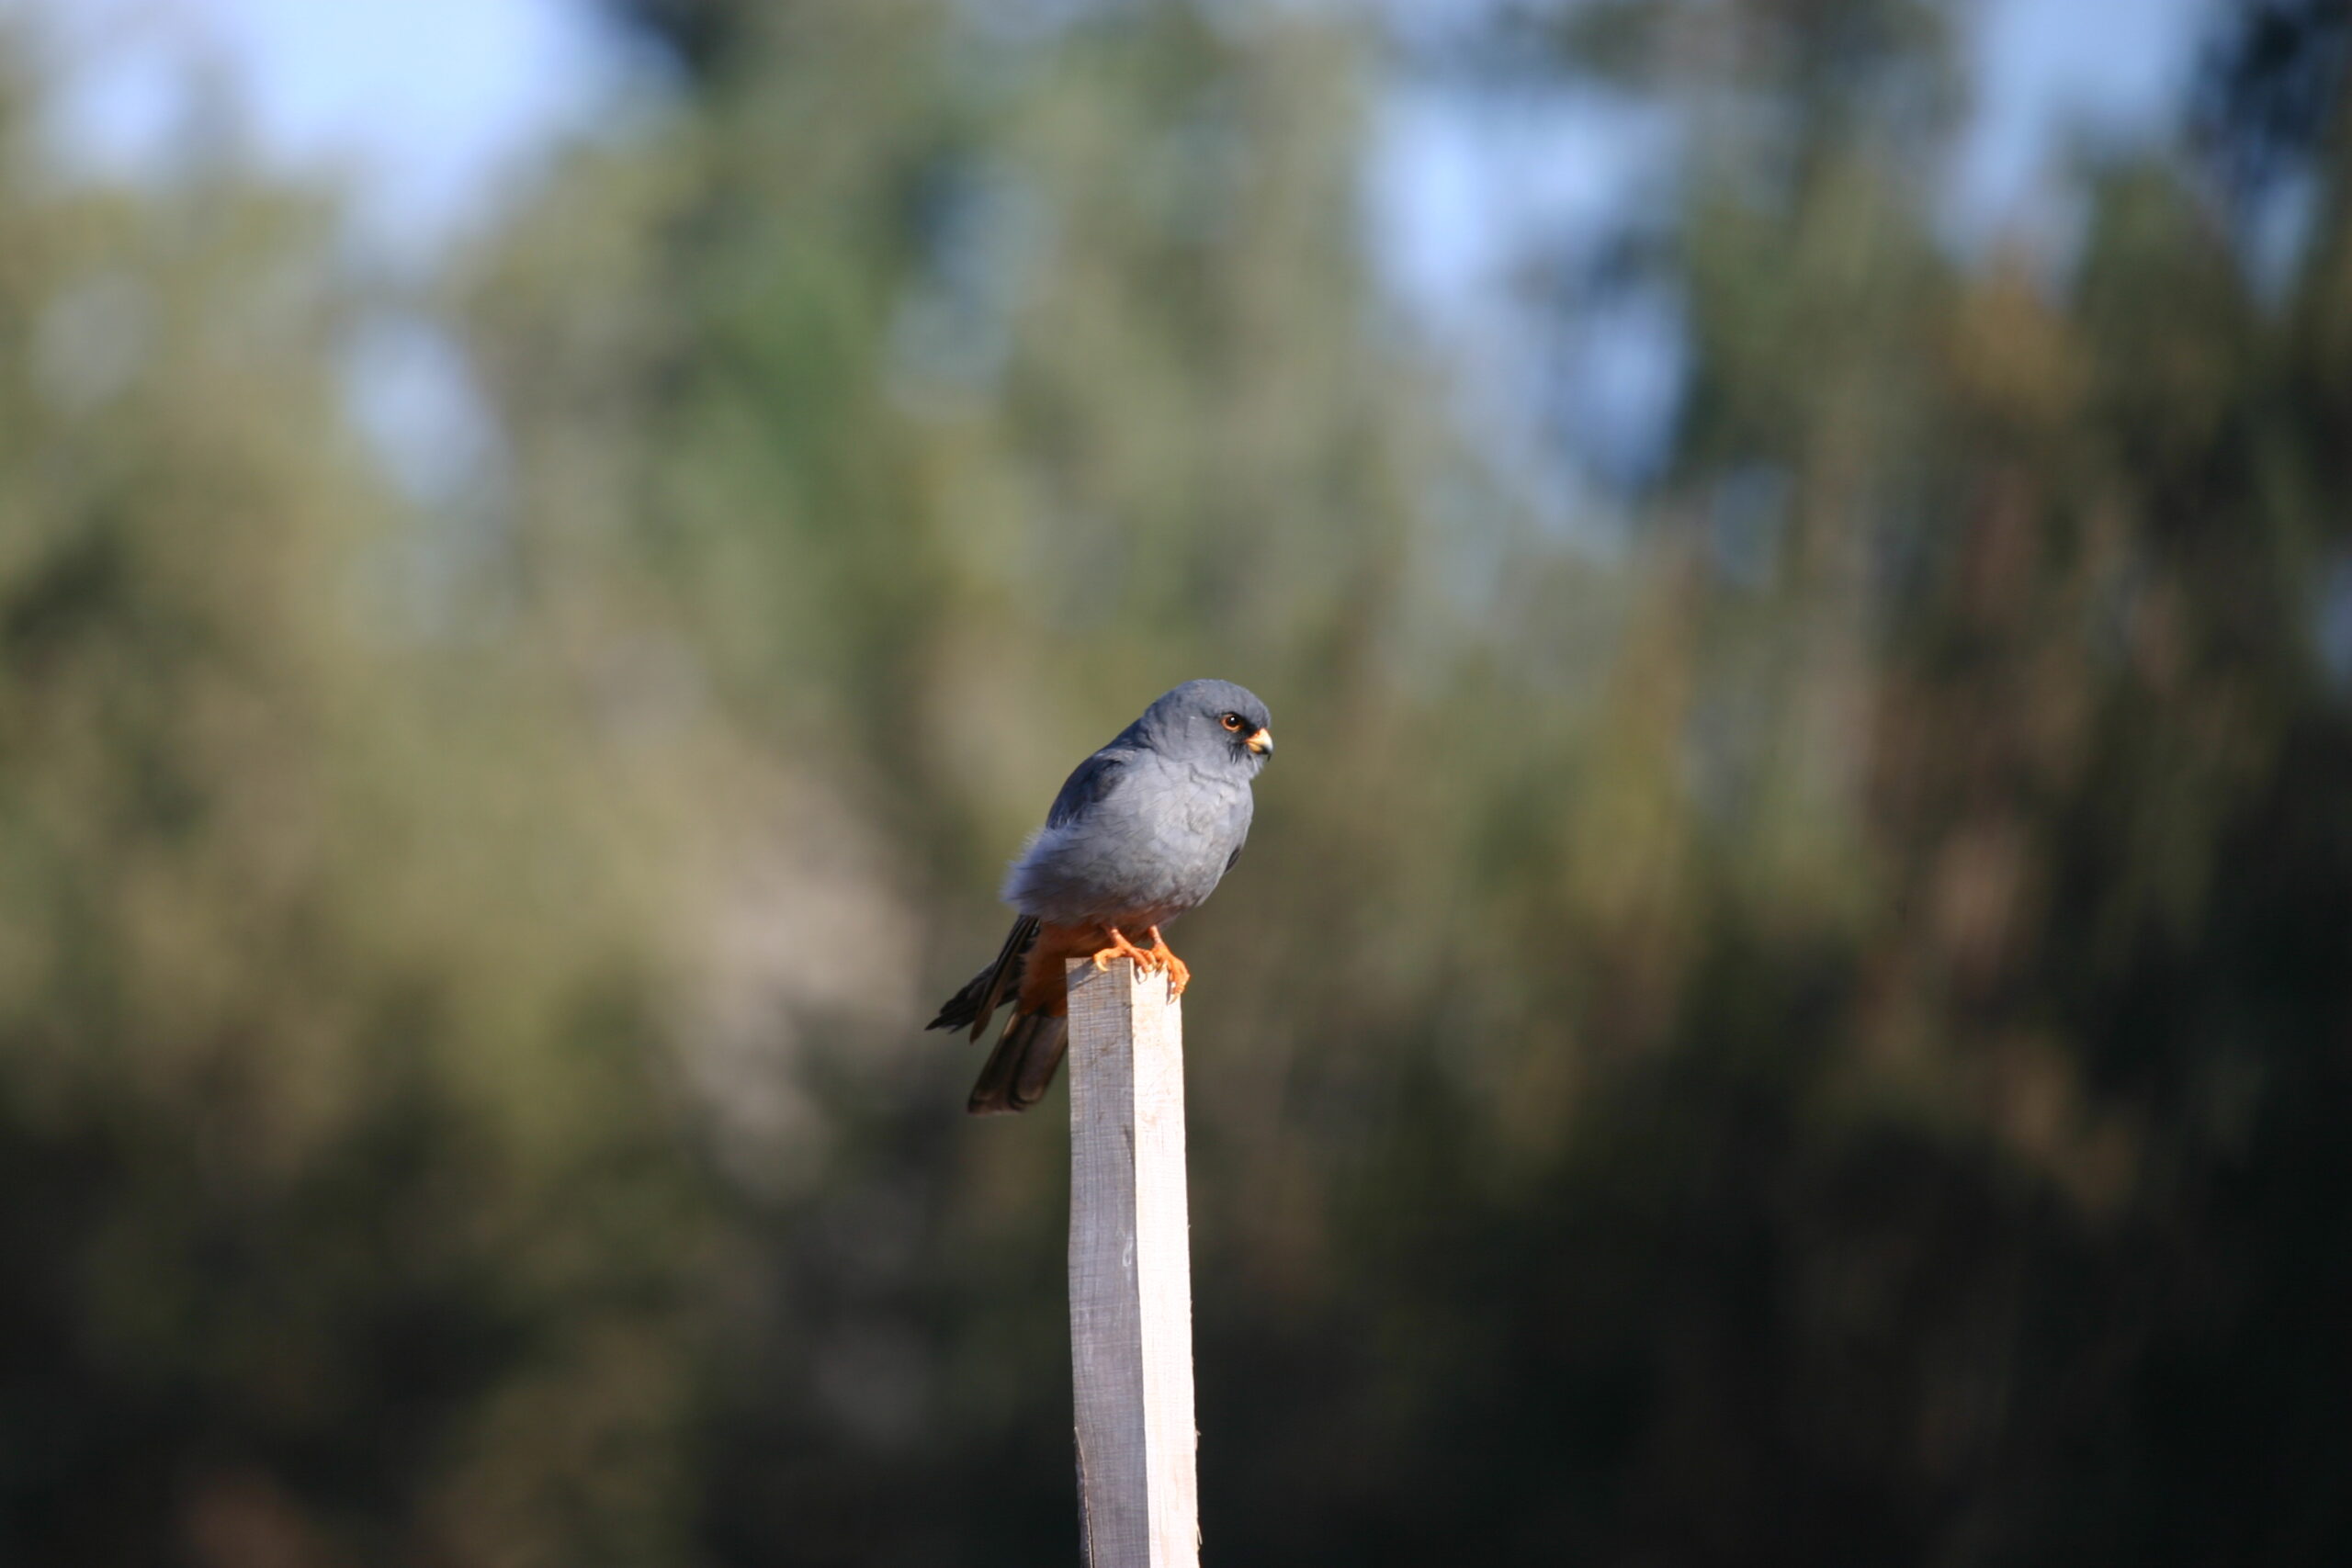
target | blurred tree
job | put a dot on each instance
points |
(2272, 91)
(1756, 1121)
(1817, 1036)
(959, 389)
(701, 35)
(345, 1214)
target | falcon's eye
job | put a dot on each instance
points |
(1231, 721)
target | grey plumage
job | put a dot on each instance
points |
(1142, 832)
(1146, 827)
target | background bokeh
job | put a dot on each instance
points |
(1790, 998)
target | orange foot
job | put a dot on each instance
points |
(1180, 974)
(1146, 960)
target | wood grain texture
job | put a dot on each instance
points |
(1130, 1270)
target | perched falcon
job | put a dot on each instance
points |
(1141, 833)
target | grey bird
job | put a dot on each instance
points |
(1141, 833)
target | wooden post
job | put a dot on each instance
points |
(1130, 1271)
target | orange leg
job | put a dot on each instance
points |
(1146, 960)
(1180, 974)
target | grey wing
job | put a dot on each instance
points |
(1089, 782)
(1061, 875)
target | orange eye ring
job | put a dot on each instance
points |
(1231, 721)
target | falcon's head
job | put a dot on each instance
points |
(1210, 722)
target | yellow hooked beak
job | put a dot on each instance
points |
(1261, 742)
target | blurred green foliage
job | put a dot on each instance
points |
(1819, 1035)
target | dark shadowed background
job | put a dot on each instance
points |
(1790, 998)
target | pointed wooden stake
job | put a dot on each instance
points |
(1130, 1270)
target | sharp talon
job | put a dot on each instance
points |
(1180, 975)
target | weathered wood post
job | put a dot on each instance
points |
(1130, 1270)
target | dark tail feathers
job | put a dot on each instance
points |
(1022, 1066)
(978, 1000)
